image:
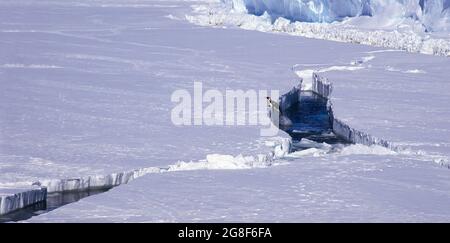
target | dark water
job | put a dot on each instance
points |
(311, 120)
(54, 201)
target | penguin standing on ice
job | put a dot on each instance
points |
(273, 104)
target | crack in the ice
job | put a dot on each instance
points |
(324, 87)
(309, 141)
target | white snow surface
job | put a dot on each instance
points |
(105, 109)
(409, 114)
(102, 118)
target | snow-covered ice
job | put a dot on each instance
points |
(405, 110)
(328, 188)
(103, 116)
(85, 93)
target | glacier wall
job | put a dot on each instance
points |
(19, 200)
(403, 33)
(324, 87)
(305, 10)
(432, 14)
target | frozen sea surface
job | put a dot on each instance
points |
(85, 89)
